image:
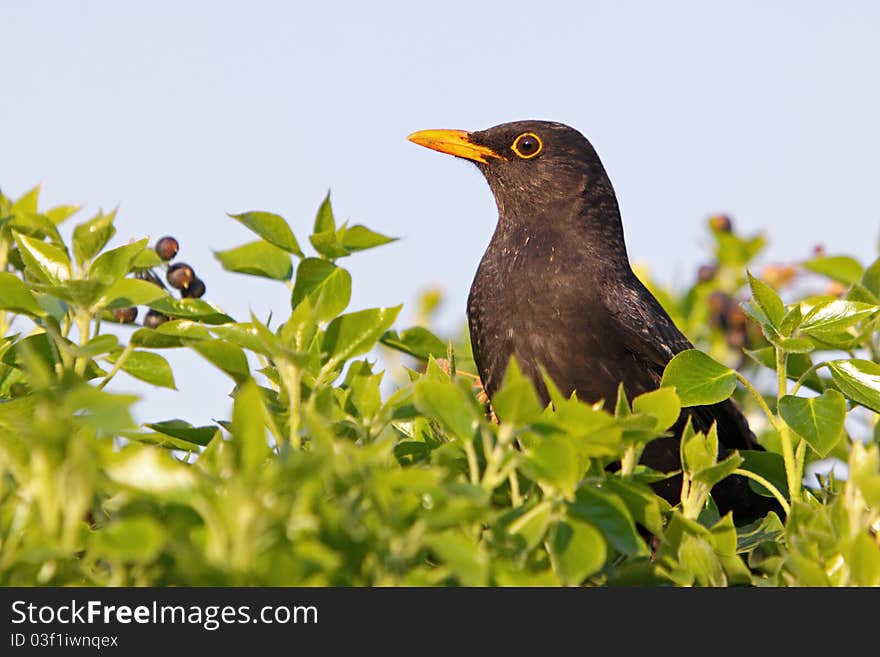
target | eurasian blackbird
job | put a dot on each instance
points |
(555, 289)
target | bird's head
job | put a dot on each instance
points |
(534, 168)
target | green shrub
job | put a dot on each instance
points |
(324, 476)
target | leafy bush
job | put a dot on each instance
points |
(324, 476)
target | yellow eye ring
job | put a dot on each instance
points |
(527, 145)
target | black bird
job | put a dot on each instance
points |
(555, 289)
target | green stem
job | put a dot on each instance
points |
(290, 376)
(473, 465)
(800, 461)
(117, 365)
(629, 460)
(758, 398)
(803, 377)
(766, 484)
(515, 496)
(794, 485)
(83, 325)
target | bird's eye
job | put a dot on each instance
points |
(527, 145)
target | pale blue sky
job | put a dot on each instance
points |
(182, 111)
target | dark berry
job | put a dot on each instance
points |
(719, 303)
(706, 273)
(167, 247)
(737, 338)
(126, 315)
(736, 317)
(720, 223)
(196, 289)
(153, 318)
(180, 275)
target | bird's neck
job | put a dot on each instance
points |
(585, 224)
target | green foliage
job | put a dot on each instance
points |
(328, 472)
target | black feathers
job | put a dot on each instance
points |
(555, 289)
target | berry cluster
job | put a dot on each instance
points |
(179, 275)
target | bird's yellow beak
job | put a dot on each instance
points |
(454, 142)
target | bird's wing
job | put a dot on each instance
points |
(651, 336)
(645, 328)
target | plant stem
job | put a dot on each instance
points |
(803, 377)
(129, 348)
(791, 469)
(758, 398)
(515, 496)
(766, 484)
(83, 325)
(628, 461)
(473, 466)
(290, 376)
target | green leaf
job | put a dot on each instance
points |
(698, 379)
(416, 341)
(183, 430)
(359, 238)
(147, 366)
(61, 213)
(91, 236)
(791, 321)
(835, 315)
(446, 402)
(646, 508)
(46, 262)
(100, 344)
(249, 427)
(272, 228)
(699, 451)
(768, 300)
(153, 339)
(258, 258)
(136, 540)
(533, 524)
(16, 297)
(128, 292)
(228, 357)
(839, 268)
(327, 286)
(553, 462)
(516, 401)
(818, 420)
(608, 513)
(721, 470)
(871, 279)
(248, 336)
(112, 265)
(577, 550)
(463, 555)
(38, 226)
(190, 309)
(696, 556)
(864, 561)
(354, 334)
(859, 380)
(324, 221)
(328, 244)
(662, 404)
(27, 202)
(146, 259)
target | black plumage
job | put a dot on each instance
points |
(555, 289)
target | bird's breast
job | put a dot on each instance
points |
(538, 301)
